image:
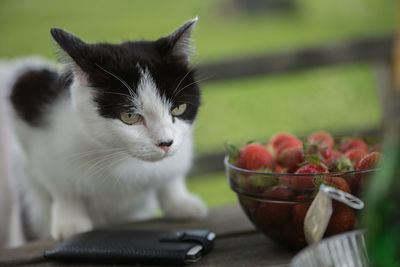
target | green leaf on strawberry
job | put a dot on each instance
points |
(232, 151)
(262, 182)
(342, 165)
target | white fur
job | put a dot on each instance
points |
(85, 171)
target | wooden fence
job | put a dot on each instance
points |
(376, 51)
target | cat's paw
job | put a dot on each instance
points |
(63, 227)
(187, 207)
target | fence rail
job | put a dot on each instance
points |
(379, 48)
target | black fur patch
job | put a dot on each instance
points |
(170, 72)
(34, 91)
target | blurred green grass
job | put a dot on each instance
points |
(223, 31)
(333, 98)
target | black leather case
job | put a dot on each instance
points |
(127, 247)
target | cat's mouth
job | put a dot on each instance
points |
(155, 155)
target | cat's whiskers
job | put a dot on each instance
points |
(103, 166)
(103, 157)
(189, 71)
(113, 93)
(183, 88)
(197, 81)
(131, 92)
(115, 180)
(101, 163)
(88, 153)
(89, 163)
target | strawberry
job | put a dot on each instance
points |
(279, 169)
(255, 156)
(355, 154)
(293, 236)
(369, 161)
(350, 143)
(303, 183)
(286, 180)
(290, 157)
(258, 183)
(339, 183)
(341, 165)
(326, 138)
(279, 193)
(303, 198)
(342, 220)
(335, 155)
(280, 141)
(299, 212)
(273, 214)
(324, 141)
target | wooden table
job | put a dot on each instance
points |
(237, 243)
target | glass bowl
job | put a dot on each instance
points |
(277, 205)
(348, 249)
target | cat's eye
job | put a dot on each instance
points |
(130, 118)
(179, 110)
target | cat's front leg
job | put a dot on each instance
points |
(68, 217)
(178, 203)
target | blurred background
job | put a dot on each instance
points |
(326, 58)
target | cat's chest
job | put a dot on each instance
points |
(121, 204)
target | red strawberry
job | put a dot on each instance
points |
(340, 183)
(342, 220)
(325, 143)
(335, 155)
(255, 156)
(290, 157)
(355, 154)
(303, 198)
(279, 193)
(273, 214)
(326, 138)
(293, 236)
(350, 143)
(299, 214)
(281, 141)
(279, 169)
(302, 183)
(369, 161)
(286, 180)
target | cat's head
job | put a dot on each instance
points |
(139, 96)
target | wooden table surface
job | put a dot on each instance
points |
(237, 243)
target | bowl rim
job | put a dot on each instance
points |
(233, 167)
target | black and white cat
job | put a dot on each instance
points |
(109, 140)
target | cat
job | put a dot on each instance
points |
(108, 140)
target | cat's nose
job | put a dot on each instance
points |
(165, 145)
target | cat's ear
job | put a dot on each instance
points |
(76, 51)
(177, 45)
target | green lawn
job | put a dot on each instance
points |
(223, 31)
(335, 98)
(341, 98)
